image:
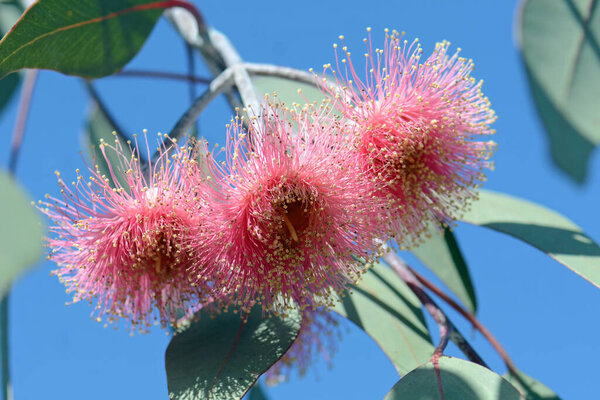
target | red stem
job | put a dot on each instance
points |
(474, 321)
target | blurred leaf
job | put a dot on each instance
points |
(542, 228)
(221, 357)
(10, 11)
(460, 380)
(99, 128)
(88, 38)
(534, 390)
(21, 232)
(560, 42)
(441, 254)
(387, 310)
(257, 393)
(286, 89)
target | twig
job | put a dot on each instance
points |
(242, 80)
(218, 85)
(469, 317)
(438, 315)
(282, 72)
(137, 73)
(197, 37)
(191, 86)
(15, 149)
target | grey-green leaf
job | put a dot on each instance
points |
(21, 232)
(542, 228)
(460, 380)
(222, 357)
(560, 42)
(533, 389)
(441, 254)
(386, 309)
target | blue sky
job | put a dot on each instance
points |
(544, 315)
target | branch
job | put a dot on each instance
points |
(198, 38)
(218, 85)
(191, 87)
(438, 315)
(241, 77)
(282, 72)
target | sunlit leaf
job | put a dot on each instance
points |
(460, 380)
(222, 357)
(387, 310)
(542, 228)
(441, 254)
(533, 389)
(21, 232)
(88, 38)
(560, 42)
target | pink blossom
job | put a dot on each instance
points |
(126, 246)
(318, 337)
(294, 214)
(416, 125)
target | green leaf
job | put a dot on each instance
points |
(542, 228)
(9, 14)
(533, 389)
(21, 232)
(99, 129)
(441, 254)
(221, 357)
(460, 380)
(286, 90)
(560, 43)
(88, 38)
(387, 310)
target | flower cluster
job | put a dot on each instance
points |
(415, 125)
(300, 205)
(123, 239)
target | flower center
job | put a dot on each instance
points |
(295, 215)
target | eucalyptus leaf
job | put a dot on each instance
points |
(222, 356)
(457, 379)
(560, 43)
(533, 389)
(88, 38)
(441, 254)
(21, 232)
(542, 228)
(387, 310)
